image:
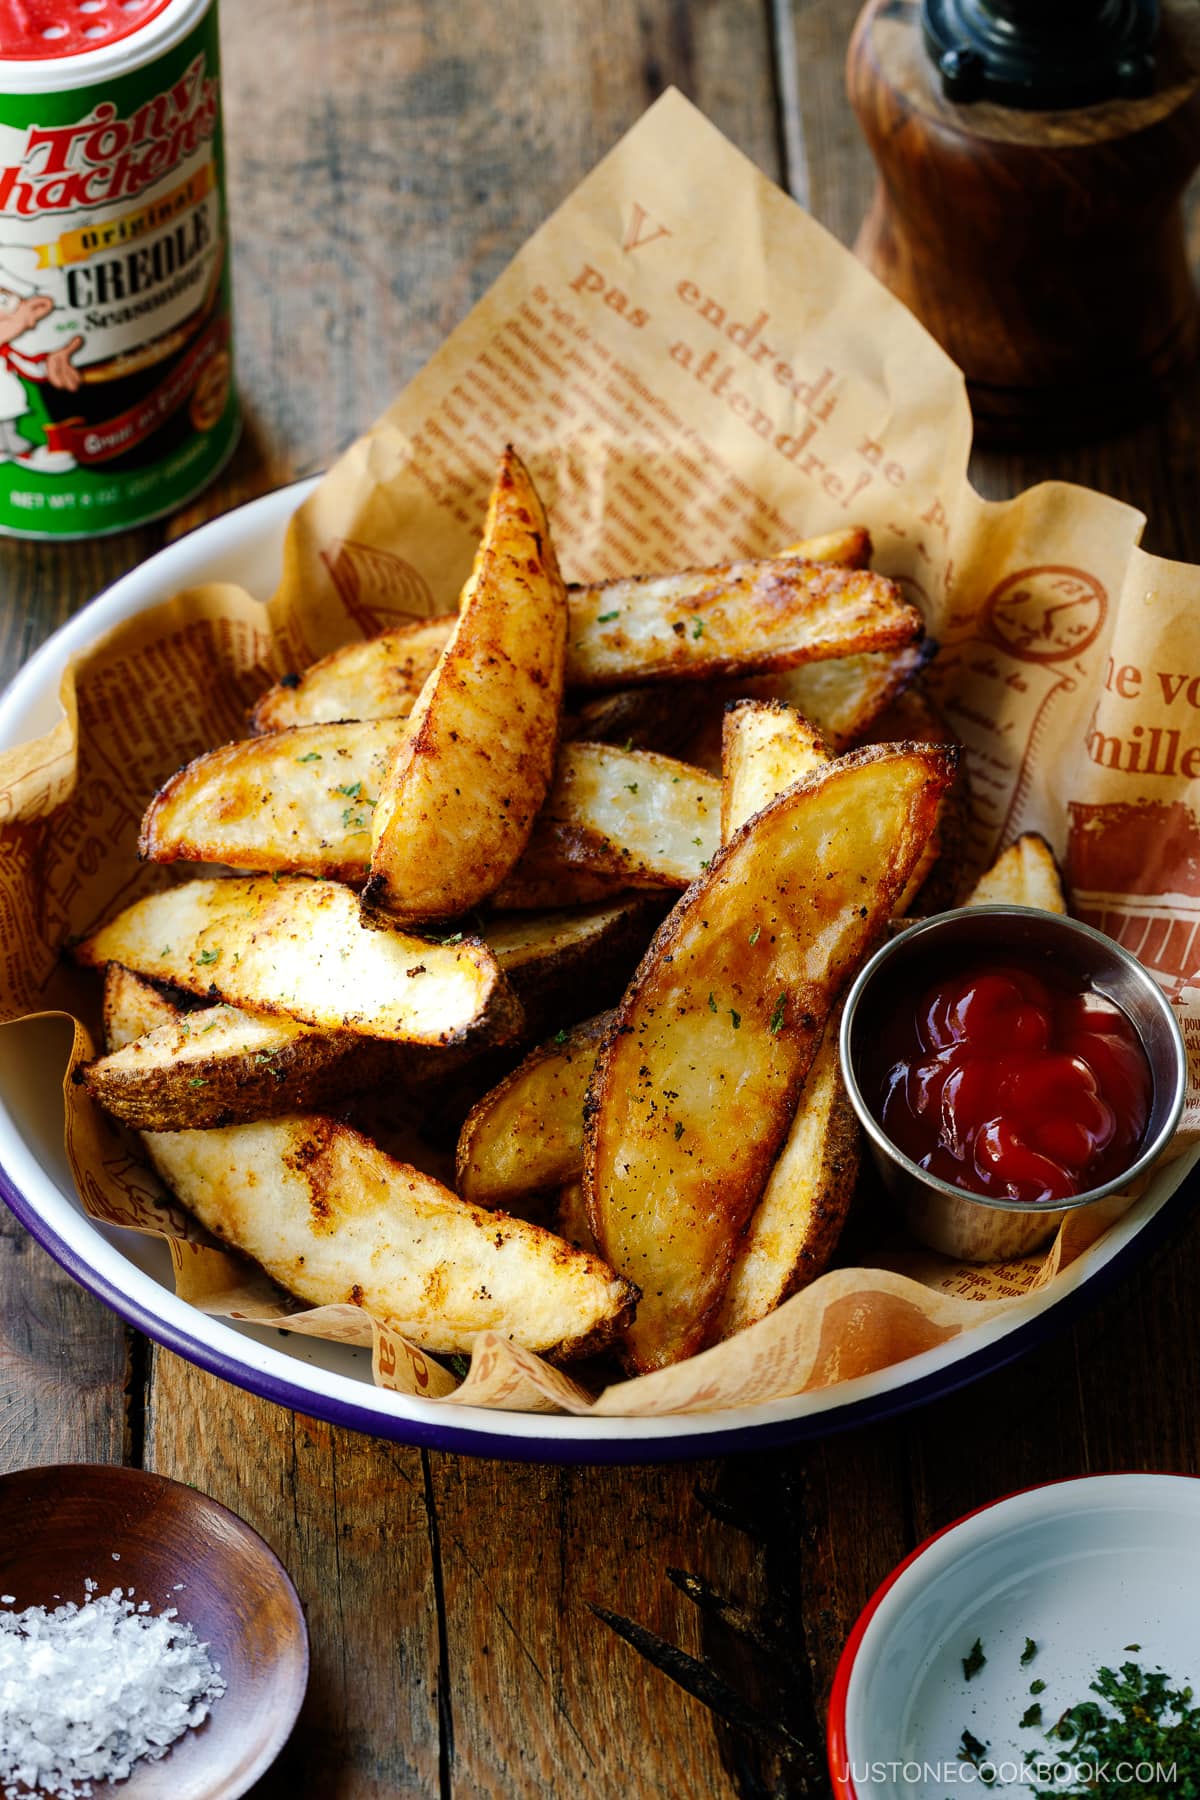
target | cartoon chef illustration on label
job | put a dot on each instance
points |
(23, 306)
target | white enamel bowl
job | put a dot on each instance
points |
(1097, 1572)
(132, 1273)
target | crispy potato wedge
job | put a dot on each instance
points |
(133, 1007)
(1026, 874)
(474, 765)
(298, 947)
(842, 698)
(299, 802)
(528, 1132)
(332, 1218)
(700, 1074)
(220, 1066)
(561, 964)
(850, 547)
(795, 1227)
(734, 619)
(638, 818)
(765, 747)
(379, 678)
(217, 1065)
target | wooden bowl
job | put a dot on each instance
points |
(62, 1525)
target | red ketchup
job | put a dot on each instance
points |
(1015, 1080)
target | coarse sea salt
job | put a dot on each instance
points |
(87, 1691)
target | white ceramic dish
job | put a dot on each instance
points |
(132, 1273)
(1088, 1569)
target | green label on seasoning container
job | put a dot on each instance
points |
(116, 390)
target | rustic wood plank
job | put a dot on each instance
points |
(347, 1517)
(65, 1363)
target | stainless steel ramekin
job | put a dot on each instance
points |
(973, 1227)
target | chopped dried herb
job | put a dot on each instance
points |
(973, 1662)
(678, 1130)
(1037, 1687)
(755, 934)
(631, 786)
(697, 628)
(1032, 1715)
(312, 756)
(1028, 1653)
(776, 1026)
(207, 958)
(351, 790)
(608, 617)
(1139, 1728)
(736, 1017)
(712, 1005)
(456, 937)
(560, 1036)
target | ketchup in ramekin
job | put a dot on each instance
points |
(1012, 1078)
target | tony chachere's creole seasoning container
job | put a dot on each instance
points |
(116, 391)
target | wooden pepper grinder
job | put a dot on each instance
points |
(1032, 155)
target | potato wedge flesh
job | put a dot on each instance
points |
(298, 947)
(333, 1219)
(379, 678)
(632, 815)
(527, 1133)
(731, 619)
(1025, 874)
(298, 801)
(736, 986)
(765, 747)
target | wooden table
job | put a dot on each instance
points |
(387, 157)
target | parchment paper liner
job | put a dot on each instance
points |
(693, 369)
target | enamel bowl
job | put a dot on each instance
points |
(333, 1381)
(1097, 1572)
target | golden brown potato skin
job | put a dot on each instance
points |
(701, 1072)
(528, 1132)
(472, 769)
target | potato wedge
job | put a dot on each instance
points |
(332, 1218)
(562, 964)
(476, 760)
(765, 747)
(299, 802)
(641, 819)
(379, 678)
(701, 1071)
(736, 618)
(528, 1132)
(795, 1227)
(133, 1007)
(850, 547)
(1026, 874)
(220, 1066)
(298, 947)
